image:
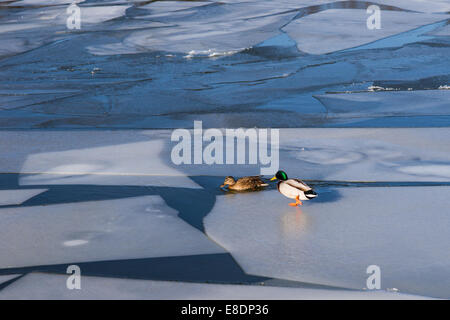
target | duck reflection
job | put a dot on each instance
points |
(294, 223)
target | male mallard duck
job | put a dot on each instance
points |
(293, 188)
(245, 183)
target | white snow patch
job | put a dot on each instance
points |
(73, 243)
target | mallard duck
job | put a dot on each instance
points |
(245, 183)
(293, 188)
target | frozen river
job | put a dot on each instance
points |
(163, 64)
(86, 175)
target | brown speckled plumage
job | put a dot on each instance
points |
(245, 183)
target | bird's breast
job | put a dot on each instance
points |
(290, 191)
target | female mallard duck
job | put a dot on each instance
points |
(293, 188)
(245, 183)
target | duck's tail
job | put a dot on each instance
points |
(310, 194)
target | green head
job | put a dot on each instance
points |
(280, 175)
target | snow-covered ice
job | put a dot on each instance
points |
(144, 157)
(366, 154)
(209, 35)
(385, 103)
(48, 286)
(340, 29)
(7, 278)
(332, 239)
(444, 31)
(229, 63)
(110, 193)
(43, 2)
(128, 228)
(99, 157)
(419, 5)
(120, 161)
(15, 197)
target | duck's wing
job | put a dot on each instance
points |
(298, 184)
(254, 177)
(251, 181)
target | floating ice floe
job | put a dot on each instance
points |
(168, 7)
(50, 286)
(136, 163)
(333, 239)
(93, 15)
(33, 25)
(16, 197)
(7, 278)
(341, 29)
(207, 34)
(444, 31)
(44, 2)
(366, 154)
(18, 98)
(141, 227)
(419, 5)
(143, 158)
(406, 103)
(399, 40)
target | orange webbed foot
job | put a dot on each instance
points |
(297, 201)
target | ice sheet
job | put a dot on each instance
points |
(413, 36)
(209, 35)
(15, 197)
(8, 277)
(419, 5)
(333, 239)
(140, 227)
(366, 154)
(144, 157)
(131, 159)
(43, 2)
(444, 31)
(55, 15)
(43, 22)
(48, 286)
(424, 102)
(170, 6)
(94, 15)
(198, 80)
(349, 28)
(242, 86)
(93, 158)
